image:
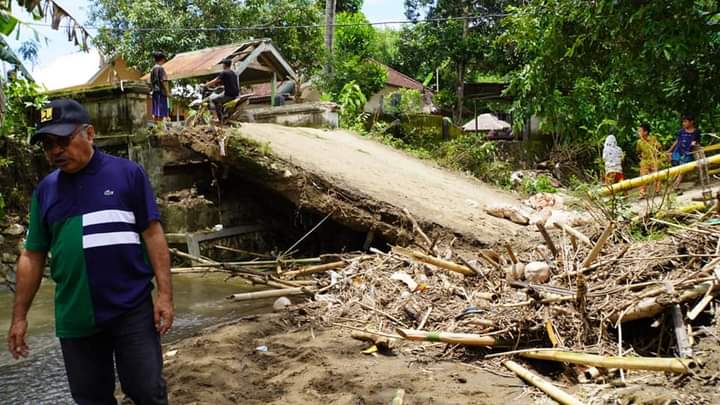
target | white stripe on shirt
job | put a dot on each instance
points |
(110, 238)
(108, 216)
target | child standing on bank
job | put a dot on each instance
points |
(681, 151)
(649, 151)
(613, 156)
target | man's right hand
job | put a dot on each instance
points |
(16, 339)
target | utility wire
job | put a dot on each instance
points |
(280, 27)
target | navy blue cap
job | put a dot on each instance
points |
(60, 118)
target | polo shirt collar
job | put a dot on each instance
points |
(94, 164)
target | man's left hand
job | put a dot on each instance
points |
(164, 314)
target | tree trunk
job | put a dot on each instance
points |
(461, 74)
(329, 33)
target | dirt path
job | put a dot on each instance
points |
(328, 368)
(433, 195)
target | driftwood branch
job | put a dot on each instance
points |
(548, 240)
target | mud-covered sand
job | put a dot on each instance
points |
(224, 367)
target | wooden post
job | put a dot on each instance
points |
(273, 90)
(329, 33)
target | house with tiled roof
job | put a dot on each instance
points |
(396, 81)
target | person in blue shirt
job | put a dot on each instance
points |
(96, 219)
(687, 139)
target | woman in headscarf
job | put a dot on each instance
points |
(613, 156)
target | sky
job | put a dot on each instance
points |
(57, 44)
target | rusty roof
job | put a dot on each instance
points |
(245, 56)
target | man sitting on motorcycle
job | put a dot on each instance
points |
(231, 84)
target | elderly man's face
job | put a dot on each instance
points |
(70, 153)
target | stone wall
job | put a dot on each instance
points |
(116, 108)
(314, 115)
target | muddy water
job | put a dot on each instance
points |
(40, 378)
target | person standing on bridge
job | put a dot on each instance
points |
(96, 217)
(231, 88)
(160, 88)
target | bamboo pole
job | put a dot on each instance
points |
(443, 264)
(700, 306)
(574, 232)
(552, 391)
(314, 269)
(270, 294)
(598, 246)
(649, 307)
(468, 339)
(675, 365)
(548, 240)
(656, 176)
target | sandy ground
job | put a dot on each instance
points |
(431, 194)
(224, 367)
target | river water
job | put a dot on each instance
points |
(40, 378)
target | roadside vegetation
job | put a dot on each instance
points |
(586, 70)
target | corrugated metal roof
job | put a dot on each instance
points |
(254, 61)
(202, 62)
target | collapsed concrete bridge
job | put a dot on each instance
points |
(361, 184)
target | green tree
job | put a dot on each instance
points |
(578, 64)
(136, 29)
(356, 44)
(463, 41)
(344, 6)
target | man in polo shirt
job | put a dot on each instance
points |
(96, 218)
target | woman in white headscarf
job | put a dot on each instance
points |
(613, 156)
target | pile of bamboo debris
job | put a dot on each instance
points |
(568, 300)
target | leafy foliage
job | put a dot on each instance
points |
(355, 45)
(302, 47)
(452, 47)
(347, 6)
(576, 64)
(351, 101)
(540, 184)
(404, 101)
(23, 97)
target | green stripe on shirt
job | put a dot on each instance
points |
(74, 313)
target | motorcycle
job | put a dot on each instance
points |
(228, 110)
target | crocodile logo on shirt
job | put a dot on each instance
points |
(109, 192)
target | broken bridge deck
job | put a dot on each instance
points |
(362, 183)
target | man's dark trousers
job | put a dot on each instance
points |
(133, 340)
